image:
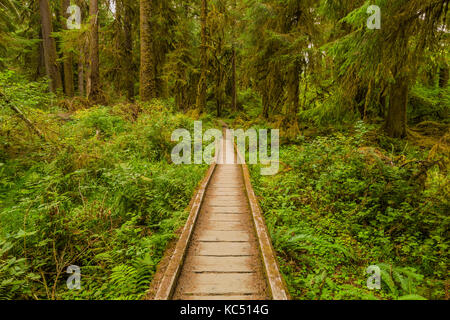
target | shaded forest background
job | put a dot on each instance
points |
(86, 118)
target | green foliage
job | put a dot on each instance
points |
(99, 121)
(15, 275)
(338, 206)
(101, 198)
(429, 103)
(99, 190)
(19, 90)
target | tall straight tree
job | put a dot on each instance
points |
(49, 45)
(83, 54)
(201, 90)
(94, 65)
(233, 80)
(147, 71)
(68, 56)
(128, 49)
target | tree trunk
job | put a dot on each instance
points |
(147, 73)
(396, 118)
(68, 59)
(266, 106)
(218, 108)
(293, 92)
(233, 83)
(81, 84)
(443, 76)
(40, 71)
(83, 53)
(51, 65)
(94, 66)
(201, 89)
(128, 51)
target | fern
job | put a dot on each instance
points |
(400, 280)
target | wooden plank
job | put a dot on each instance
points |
(221, 284)
(221, 264)
(217, 209)
(223, 249)
(226, 203)
(225, 225)
(227, 217)
(240, 198)
(217, 236)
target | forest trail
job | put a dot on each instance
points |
(221, 246)
(223, 260)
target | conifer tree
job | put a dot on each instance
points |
(147, 68)
(49, 46)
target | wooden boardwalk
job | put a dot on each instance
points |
(221, 257)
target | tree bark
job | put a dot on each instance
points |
(81, 84)
(443, 76)
(201, 89)
(147, 72)
(396, 117)
(94, 65)
(49, 44)
(68, 59)
(266, 105)
(83, 53)
(293, 92)
(233, 83)
(128, 50)
(40, 71)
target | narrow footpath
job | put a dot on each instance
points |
(223, 259)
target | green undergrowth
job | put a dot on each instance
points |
(101, 194)
(345, 200)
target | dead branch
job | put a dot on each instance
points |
(22, 116)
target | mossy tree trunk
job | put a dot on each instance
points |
(82, 67)
(265, 104)
(40, 70)
(81, 83)
(293, 91)
(51, 66)
(233, 81)
(443, 76)
(201, 89)
(68, 57)
(126, 13)
(147, 69)
(94, 65)
(396, 116)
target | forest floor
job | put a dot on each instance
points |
(100, 194)
(350, 198)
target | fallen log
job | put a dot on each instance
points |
(20, 114)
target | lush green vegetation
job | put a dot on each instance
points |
(351, 198)
(86, 116)
(99, 194)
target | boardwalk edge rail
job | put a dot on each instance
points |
(276, 283)
(168, 282)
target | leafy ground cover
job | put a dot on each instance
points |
(347, 199)
(99, 194)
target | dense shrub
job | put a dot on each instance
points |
(100, 196)
(339, 206)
